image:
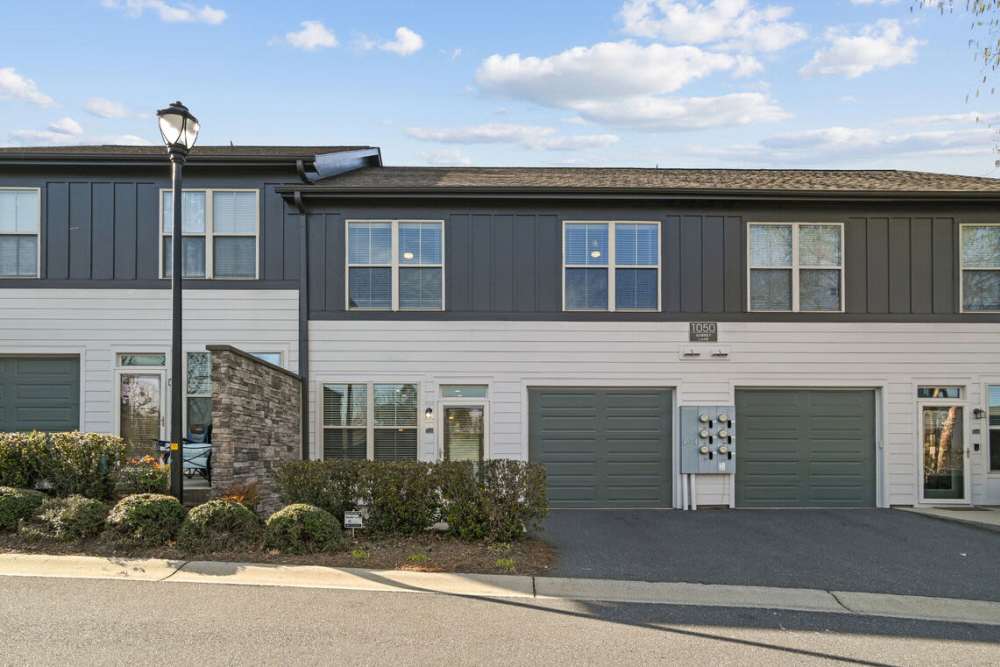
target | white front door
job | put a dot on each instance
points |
(944, 454)
(464, 430)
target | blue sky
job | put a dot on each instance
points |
(674, 83)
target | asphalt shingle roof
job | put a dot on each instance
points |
(572, 178)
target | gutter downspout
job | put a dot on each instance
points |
(304, 319)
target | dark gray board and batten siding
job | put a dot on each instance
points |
(506, 264)
(105, 233)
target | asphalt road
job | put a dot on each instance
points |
(99, 622)
(876, 551)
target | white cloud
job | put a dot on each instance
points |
(15, 86)
(446, 157)
(625, 84)
(534, 137)
(406, 43)
(951, 118)
(735, 24)
(105, 108)
(66, 126)
(607, 70)
(874, 2)
(181, 12)
(314, 35)
(846, 144)
(652, 113)
(878, 46)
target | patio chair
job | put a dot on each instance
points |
(197, 458)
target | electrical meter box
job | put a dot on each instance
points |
(708, 439)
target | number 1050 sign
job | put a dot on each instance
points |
(703, 332)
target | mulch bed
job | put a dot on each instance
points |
(431, 552)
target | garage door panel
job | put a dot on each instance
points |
(806, 448)
(622, 436)
(39, 393)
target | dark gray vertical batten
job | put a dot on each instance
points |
(333, 282)
(147, 238)
(921, 266)
(272, 234)
(457, 271)
(945, 272)
(713, 264)
(79, 231)
(104, 231)
(482, 261)
(125, 231)
(57, 231)
(524, 263)
(733, 264)
(899, 265)
(503, 263)
(878, 265)
(302, 221)
(856, 265)
(670, 257)
(691, 264)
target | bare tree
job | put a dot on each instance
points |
(984, 42)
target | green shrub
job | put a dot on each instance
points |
(303, 529)
(72, 518)
(145, 519)
(219, 525)
(400, 496)
(334, 485)
(17, 504)
(500, 503)
(463, 507)
(145, 475)
(83, 463)
(21, 458)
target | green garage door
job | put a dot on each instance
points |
(603, 447)
(805, 448)
(39, 393)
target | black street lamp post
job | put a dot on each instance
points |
(179, 130)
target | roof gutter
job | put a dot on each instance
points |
(330, 192)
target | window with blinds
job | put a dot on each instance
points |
(610, 266)
(980, 268)
(370, 421)
(219, 233)
(395, 265)
(20, 222)
(796, 267)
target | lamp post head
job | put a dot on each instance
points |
(178, 127)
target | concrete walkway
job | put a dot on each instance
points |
(981, 517)
(503, 586)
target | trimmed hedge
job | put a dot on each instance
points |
(65, 463)
(303, 529)
(219, 525)
(145, 475)
(17, 504)
(499, 500)
(72, 518)
(145, 519)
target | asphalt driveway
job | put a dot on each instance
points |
(879, 551)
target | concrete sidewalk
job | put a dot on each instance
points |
(980, 517)
(504, 586)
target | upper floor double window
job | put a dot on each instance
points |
(980, 268)
(219, 233)
(20, 221)
(611, 266)
(395, 265)
(796, 267)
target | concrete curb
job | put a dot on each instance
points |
(953, 516)
(949, 610)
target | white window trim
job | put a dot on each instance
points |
(210, 232)
(612, 265)
(38, 235)
(962, 269)
(393, 265)
(795, 267)
(370, 427)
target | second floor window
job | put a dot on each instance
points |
(980, 268)
(611, 266)
(395, 265)
(219, 233)
(796, 267)
(20, 217)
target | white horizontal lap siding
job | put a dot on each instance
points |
(514, 355)
(98, 323)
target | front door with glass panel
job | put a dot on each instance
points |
(140, 411)
(464, 432)
(944, 474)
